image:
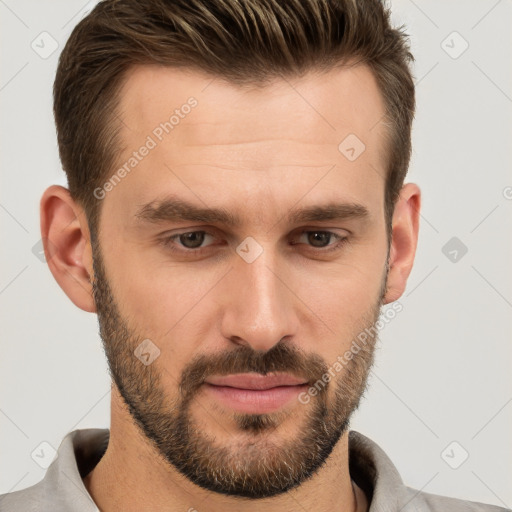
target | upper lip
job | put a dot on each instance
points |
(255, 380)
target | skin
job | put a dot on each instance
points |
(260, 153)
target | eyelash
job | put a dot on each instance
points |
(167, 242)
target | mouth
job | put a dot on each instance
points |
(254, 393)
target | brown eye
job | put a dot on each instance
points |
(318, 239)
(191, 241)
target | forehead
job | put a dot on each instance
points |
(346, 98)
(208, 135)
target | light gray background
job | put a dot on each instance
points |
(443, 367)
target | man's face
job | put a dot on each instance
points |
(269, 293)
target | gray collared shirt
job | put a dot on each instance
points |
(62, 488)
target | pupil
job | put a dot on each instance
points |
(317, 235)
(187, 237)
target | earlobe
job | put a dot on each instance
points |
(67, 246)
(405, 229)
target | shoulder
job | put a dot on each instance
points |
(376, 474)
(62, 488)
(26, 500)
(423, 501)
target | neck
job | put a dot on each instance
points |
(132, 476)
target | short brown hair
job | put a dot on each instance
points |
(243, 41)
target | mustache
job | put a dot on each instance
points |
(280, 358)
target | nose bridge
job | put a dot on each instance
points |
(259, 308)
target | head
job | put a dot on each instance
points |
(277, 135)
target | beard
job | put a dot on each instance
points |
(253, 464)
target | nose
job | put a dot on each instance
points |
(259, 309)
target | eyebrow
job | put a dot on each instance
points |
(175, 209)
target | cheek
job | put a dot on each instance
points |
(344, 302)
(155, 293)
(166, 305)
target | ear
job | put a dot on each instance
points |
(405, 227)
(67, 247)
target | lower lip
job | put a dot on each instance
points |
(255, 401)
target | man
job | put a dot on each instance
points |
(237, 217)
